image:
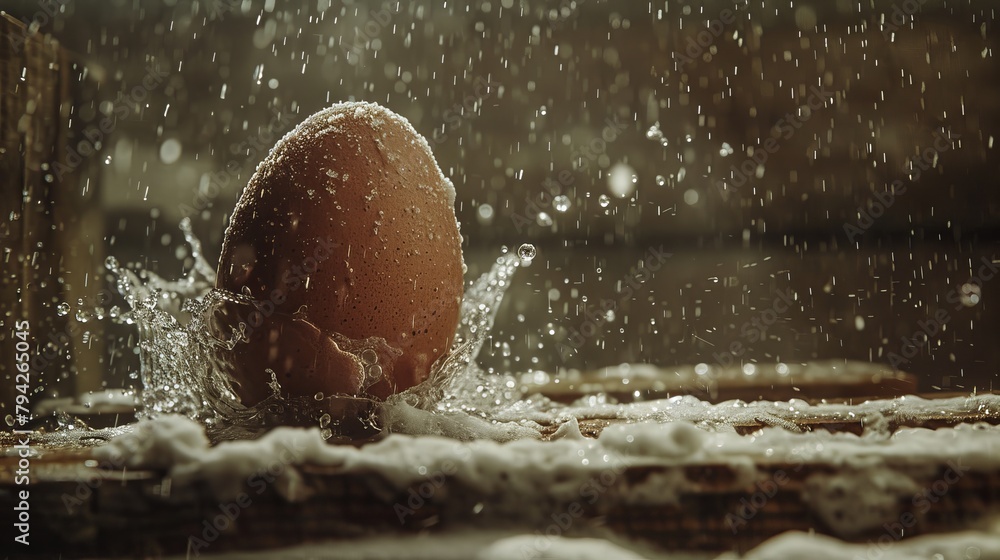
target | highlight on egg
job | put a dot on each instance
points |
(345, 256)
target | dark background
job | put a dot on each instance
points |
(898, 80)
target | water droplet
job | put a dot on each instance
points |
(544, 219)
(661, 180)
(561, 203)
(170, 151)
(9, 420)
(691, 197)
(324, 421)
(622, 180)
(319, 396)
(83, 316)
(62, 309)
(970, 294)
(485, 214)
(526, 252)
(603, 200)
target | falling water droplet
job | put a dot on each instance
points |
(970, 294)
(604, 200)
(526, 252)
(661, 180)
(561, 203)
(62, 309)
(622, 180)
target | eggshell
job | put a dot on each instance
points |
(346, 240)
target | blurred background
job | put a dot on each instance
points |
(708, 182)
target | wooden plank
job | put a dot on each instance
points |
(137, 513)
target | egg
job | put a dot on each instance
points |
(346, 256)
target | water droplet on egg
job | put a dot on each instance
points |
(368, 356)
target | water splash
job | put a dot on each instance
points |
(184, 370)
(456, 383)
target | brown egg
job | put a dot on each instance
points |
(346, 240)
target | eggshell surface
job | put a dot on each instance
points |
(345, 238)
